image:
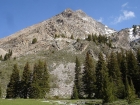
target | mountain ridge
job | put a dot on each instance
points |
(65, 24)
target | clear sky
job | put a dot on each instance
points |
(18, 14)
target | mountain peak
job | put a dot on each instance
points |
(68, 10)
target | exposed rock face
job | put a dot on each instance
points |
(2, 52)
(65, 24)
(127, 38)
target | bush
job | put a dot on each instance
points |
(34, 41)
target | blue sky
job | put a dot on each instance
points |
(18, 14)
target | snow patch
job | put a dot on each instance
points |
(132, 37)
(84, 18)
(108, 31)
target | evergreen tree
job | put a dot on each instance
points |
(1, 57)
(133, 70)
(13, 86)
(40, 82)
(123, 68)
(101, 69)
(77, 81)
(108, 90)
(6, 57)
(25, 81)
(72, 37)
(89, 78)
(45, 80)
(89, 38)
(114, 72)
(95, 38)
(34, 89)
(138, 74)
(0, 91)
(130, 91)
(132, 64)
(75, 93)
(138, 56)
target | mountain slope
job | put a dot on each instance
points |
(63, 25)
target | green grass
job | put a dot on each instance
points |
(43, 102)
(61, 102)
(23, 102)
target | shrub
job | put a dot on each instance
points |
(34, 41)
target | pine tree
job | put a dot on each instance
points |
(132, 64)
(138, 56)
(101, 69)
(77, 81)
(89, 78)
(130, 91)
(138, 74)
(75, 93)
(89, 38)
(133, 70)
(25, 81)
(114, 72)
(13, 86)
(40, 82)
(108, 89)
(34, 91)
(1, 57)
(72, 37)
(123, 68)
(45, 80)
(0, 91)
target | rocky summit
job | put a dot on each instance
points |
(63, 25)
(59, 40)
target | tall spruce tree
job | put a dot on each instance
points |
(138, 56)
(13, 86)
(34, 89)
(25, 81)
(124, 67)
(114, 72)
(77, 81)
(138, 74)
(130, 91)
(108, 89)
(101, 69)
(0, 91)
(133, 70)
(132, 64)
(75, 93)
(40, 82)
(45, 80)
(89, 78)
